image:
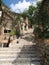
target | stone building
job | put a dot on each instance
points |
(8, 17)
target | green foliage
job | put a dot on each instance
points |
(25, 14)
(12, 32)
(42, 18)
(14, 23)
(39, 33)
(0, 2)
(17, 33)
(31, 9)
(39, 5)
(36, 17)
(29, 13)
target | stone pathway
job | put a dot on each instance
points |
(22, 53)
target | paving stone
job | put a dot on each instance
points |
(23, 53)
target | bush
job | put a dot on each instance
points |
(17, 33)
(12, 32)
(41, 33)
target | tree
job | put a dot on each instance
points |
(0, 2)
(31, 14)
(31, 10)
(43, 17)
(36, 13)
(24, 14)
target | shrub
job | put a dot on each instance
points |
(12, 32)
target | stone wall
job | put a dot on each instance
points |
(43, 50)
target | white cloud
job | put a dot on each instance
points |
(35, 3)
(20, 6)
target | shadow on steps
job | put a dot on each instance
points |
(27, 55)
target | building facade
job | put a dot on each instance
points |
(9, 17)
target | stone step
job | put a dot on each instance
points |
(29, 63)
(19, 44)
(23, 44)
(15, 48)
(18, 55)
(2, 56)
(9, 49)
(26, 60)
(28, 52)
(7, 60)
(6, 64)
(17, 52)
(23, 49)
(27, 55)
(19, 59)
(36, 59)
(35, 63)
(15, 64)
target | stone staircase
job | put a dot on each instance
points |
(20, 54)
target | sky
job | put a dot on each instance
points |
(19, 6)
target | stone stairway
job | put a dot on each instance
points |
(20, 54)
